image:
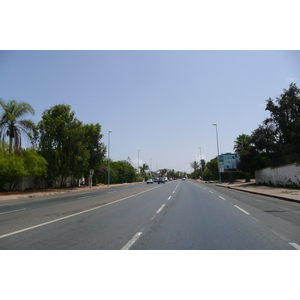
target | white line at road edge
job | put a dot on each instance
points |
(73, 215)
(242, 210)
(295, 245)
(12, 211)
(132, 241)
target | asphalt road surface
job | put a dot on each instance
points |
(176, 215)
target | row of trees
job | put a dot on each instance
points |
(275, 142)
(63, 149)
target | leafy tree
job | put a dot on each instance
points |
(212, 172)
(264, 139)
(285, 118)
(96, 149)
(143, 169)
(163, 172)
(195, 165)
(122, 172)
(13, 166)
(242, 142)
(61, 142)
(11, 123)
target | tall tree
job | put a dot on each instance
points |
(12, 124)
(285, 117)
(242, 142)
(195, 165)
(96, 149)
(62, 144)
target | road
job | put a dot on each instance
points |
(176, 215)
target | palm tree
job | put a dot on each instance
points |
(242, 142)
(11, 124)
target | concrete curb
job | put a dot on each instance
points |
(259, 193)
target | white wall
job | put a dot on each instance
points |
(288, 175)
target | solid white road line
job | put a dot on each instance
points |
(12, 211)
(73, 215)
(160, 209)
(132, 241)
(222, 198)
(242, 210)
(295, 245)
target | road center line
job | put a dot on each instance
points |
(222, 198)
(73, 215)
(160, 209)
(295, 245)
(242, 210)
(211, 192)
(132, 241)
(169, 197)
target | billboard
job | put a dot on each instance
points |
(228, 163)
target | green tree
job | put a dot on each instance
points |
(96, 149)
(143, 169)
(211, 172)
(195, 165)
(13, 166)
(242, 142)
(285, 118)
(11, 123)
(61, 142)
(264, 139)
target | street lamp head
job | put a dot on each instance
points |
(214, 124)
(109, 131)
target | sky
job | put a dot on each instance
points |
(160, 105)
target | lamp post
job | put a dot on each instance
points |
(220, 180)
(138, 166)
(108, 176)
(201, 163)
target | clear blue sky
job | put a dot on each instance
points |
(162, 103)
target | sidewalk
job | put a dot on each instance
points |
(48, 192)
(276, 192)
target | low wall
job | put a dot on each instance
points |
(287, 175)
(30, 182)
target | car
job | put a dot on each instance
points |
(155, 179)
(149, 181)
(183, 178)
(166, 179)
(161, 180)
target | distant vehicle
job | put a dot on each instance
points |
(149, 181)
(155, 179)
(161, 180)
(183, 178)
(166, 179)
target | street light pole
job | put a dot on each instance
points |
(138, 166)
(220, 180)
(108, 177)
